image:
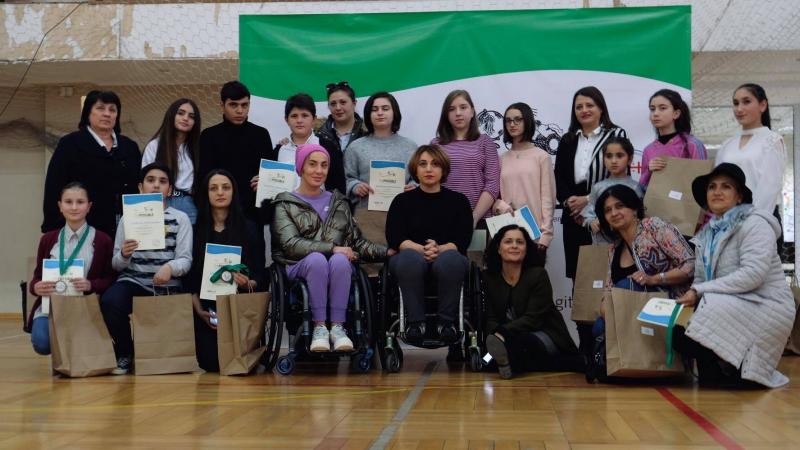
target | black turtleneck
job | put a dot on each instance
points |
(239, 150)
(666, 137)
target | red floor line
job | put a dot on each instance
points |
(718, 435)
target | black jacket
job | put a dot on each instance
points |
(107, 175)
(239, 150)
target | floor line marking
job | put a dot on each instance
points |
(718, 435)
(11, 337)
(382, 441)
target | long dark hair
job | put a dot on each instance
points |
(761, 95)
(445, 131)
(683, 124)
(624, 194)
(528, 122)
(103, 96)
(597, 97)
(492, 255)
(235, 231)
(167, 151)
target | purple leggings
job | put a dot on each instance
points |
(326, 279)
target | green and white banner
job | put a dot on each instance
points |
(540, 57)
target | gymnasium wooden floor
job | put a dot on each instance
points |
(427, 406)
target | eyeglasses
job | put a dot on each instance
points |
(514, 120)
(330, 87)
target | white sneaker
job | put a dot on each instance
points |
(341, 343)
(320, 340)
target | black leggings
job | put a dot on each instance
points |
(531, 352)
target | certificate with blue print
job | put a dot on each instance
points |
(522, 217)
(658, 311)
(387, 179)
(52, 272)
(218, 256)
(273, 178)
(143, 220)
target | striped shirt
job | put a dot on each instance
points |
(474, 168)
(143, 265)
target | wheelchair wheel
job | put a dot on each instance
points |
(475, 360)
(273, 326)
(361, 362)
(285, 364)
(393, 360)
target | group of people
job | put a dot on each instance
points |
(208, 181)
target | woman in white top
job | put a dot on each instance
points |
(176, 145)
(759, 151)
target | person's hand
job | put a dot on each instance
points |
(254, 183)
(576, 203)
(657, 164)
(688, 299)
(363, 190)
(500, 336)
(163, 275)
(595, 226)
(81, 284)
(430, 250)
(643, 278)
(128, 247)
(240, 280)
(391, 252)
(603, 308)
(284, 141)
(578, 219)
(206, 316)
(346, 251)
(44, 288)
(409, 187)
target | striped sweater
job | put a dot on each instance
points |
(474, 168)
(143, 265)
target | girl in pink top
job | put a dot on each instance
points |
(526, 173)
(670, 115)
(474, 164)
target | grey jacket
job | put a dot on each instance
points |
(297, 230)
(746, 311)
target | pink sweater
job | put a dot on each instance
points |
(527, 179)
(674, 148)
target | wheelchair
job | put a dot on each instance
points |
(290, 306)
(469, 323)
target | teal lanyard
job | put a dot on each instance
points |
(64, 265)
(670, 326)
(241, 268)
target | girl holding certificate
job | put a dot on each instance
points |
(475, 166)
(176, 144)
(220, 220)
(77, 240)
(526, 173)
(382, 143)
(316, 238)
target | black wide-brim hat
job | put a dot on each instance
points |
(700, 184)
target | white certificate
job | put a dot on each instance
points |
(522, 217)
(216, 257)
(143, 219)
(387, 179)
(273, 178)
(51, 272)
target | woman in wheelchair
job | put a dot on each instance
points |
(314, 235)
(525, 331)
(430, 227)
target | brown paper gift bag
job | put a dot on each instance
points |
(793, 345)
(373, 227)
(669, 194)
(239, 331)
(590, 279)
(163, 334)
(79, 340)
(635, 349)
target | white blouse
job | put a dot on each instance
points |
(762, 160)
(185, 176)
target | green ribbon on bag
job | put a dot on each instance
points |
(672, 318)
(230, 268)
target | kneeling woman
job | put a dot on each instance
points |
(220, 221)
(744, 308)
(314, 235)
(525, 330)
(430, 227)
(76, 240)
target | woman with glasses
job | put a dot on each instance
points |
(343, 125)
(526, 174)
